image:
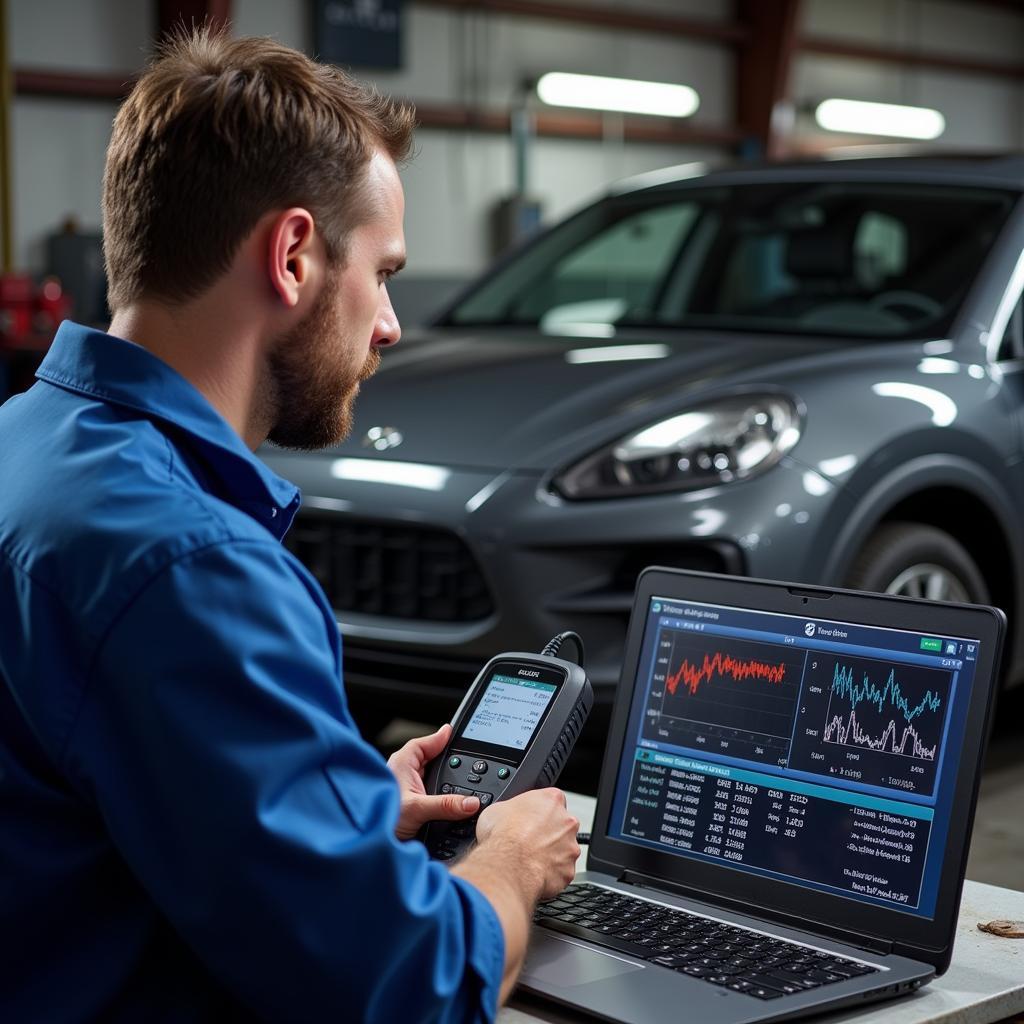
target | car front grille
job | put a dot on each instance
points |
(391, 570)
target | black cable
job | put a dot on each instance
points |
(552, 647)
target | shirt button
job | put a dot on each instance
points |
(480, 767)
(273, 513)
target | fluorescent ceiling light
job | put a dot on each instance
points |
(402, 474)
(595, 92)
(861, 118)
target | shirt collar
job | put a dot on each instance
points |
(120, 372)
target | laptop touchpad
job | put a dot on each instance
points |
(557, 961)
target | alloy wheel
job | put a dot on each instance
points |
(927, 580)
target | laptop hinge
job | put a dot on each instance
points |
(881, 947)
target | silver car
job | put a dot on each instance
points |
(800, 372)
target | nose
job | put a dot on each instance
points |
(386, 328)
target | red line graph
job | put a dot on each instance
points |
(724, 665)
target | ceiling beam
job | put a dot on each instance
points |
(452, 117)
(763, 73)
(606, 16)
(555, 124)
(71, 85)
(909, 57)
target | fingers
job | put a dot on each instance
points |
(415, 753)
(433, 744)
(449, 807)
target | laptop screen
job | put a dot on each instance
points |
(814, 751)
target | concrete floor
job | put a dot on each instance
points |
(997, 845)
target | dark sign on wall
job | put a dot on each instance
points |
(358, 33)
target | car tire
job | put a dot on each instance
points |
(917, 561)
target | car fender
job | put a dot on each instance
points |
(852, 519)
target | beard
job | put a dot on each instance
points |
(311, 399)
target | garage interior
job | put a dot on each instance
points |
(494, 163)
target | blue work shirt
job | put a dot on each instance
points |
(191, 827)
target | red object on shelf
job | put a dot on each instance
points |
(29, 313)
(29, 317)
(17, 294)
(52, 304)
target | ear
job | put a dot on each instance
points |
(293, 254)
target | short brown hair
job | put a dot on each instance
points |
(218, 132)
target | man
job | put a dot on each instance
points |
(190, 826)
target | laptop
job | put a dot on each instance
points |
(785, 806)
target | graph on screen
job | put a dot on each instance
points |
(900, 736)
(873, 721)
(718, 666)
(724, 695)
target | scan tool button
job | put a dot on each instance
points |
(447, 788)
(474, 778)
(461, 792)
(503, 772)
(454, 762)
(480, 767)
(485, 798)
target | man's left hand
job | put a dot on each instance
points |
(407, 765)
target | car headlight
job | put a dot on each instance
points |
(731, 439)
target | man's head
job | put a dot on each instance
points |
(218, 132)
(222, 138)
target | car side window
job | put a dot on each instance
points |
(620, 267)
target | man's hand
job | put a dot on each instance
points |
(542, 833)
(526, 850)
(407, 765)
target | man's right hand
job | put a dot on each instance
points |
(541, 832)
(526, 851)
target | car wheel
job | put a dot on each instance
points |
(917, 561)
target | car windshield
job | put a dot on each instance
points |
(853, 259)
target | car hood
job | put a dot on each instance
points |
(525, 400)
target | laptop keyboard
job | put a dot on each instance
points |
(722, 954)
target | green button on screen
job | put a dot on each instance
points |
(931, 643)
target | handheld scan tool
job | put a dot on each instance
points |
(513, 732)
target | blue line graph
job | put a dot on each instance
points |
(892, 693)
(872, 721)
